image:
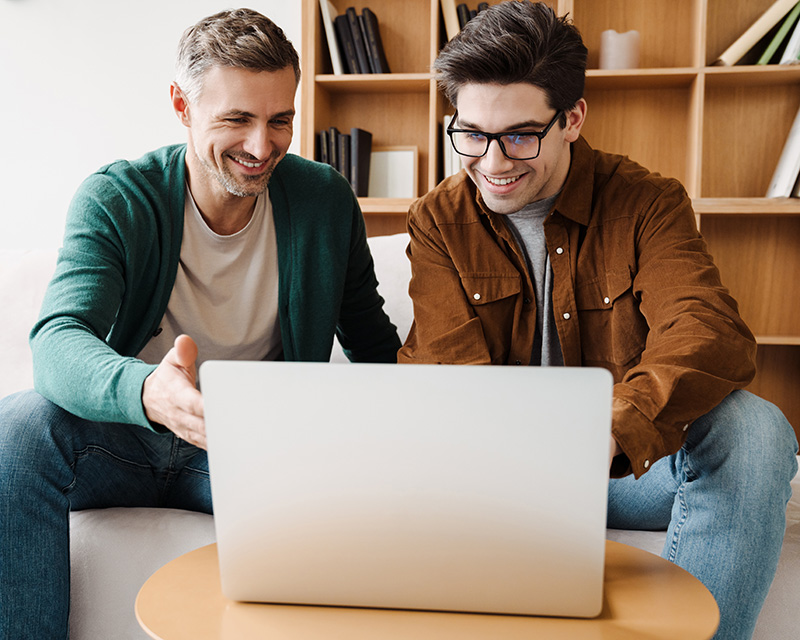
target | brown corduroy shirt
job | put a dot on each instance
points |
(635, 292)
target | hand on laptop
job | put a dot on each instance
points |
(613, 451)
(170, 395)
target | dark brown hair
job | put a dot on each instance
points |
(512, 42)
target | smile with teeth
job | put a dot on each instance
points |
(251, 165)
(501, 182)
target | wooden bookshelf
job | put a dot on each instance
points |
(719, 130)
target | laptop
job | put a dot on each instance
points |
(433, 487)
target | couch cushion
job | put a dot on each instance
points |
(24, 275)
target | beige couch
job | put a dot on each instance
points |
(115, 550)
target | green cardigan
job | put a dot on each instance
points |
(117, 267)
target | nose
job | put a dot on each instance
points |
(259, 142)
(495, 161)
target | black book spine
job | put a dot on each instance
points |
(323, 147)
(344, 155)
(374, 42)
(373, 61)
(358, 40)
(360, 156)
(333, 146)
(346, 45)
(463, 14)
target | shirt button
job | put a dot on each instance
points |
(606, 300)
(477, 296)
(527, 301)
(646, 464)
(517, 362)
(559, 251)
(566, 316)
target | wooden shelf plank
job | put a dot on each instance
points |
(747, 206)
(385, 206)
(791, 341)
(376, 82)
(753, 75)
(641, 78)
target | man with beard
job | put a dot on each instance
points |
(222, 248)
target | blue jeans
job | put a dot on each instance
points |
(52, 462)
(722, 499)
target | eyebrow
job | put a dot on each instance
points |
(238, 113)
(528, 124)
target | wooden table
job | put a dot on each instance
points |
(645, 598)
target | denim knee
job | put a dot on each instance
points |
(749, 431)
(28, 431)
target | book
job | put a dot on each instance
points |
(450, 18)
(333, 147)
(787, 170)
(329, 13)
(343, 163)
(755, 32)
(346, 45)
(373, 63)
(358, 40)
(780, 35)
(791, 54)
(322, 147)
(463, 15)
(374, 43)
(360, 152)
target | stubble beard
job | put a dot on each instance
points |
(241, 186)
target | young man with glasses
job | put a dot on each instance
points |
(545, 251)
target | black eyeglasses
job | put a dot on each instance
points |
(515, 145)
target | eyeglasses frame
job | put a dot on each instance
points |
(497, 136)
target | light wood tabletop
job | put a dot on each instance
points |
(645, 598)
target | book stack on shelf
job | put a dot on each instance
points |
(349, 154)
(457, 14)
(354, 40)
(773, 38)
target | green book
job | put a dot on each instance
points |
(780, 36)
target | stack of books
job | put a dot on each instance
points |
(773, 38)
(354, 40)
(349, 154)
(457, 14)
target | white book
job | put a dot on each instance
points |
(788, 169)
(791, 55)
(329, 14)
(755, 32)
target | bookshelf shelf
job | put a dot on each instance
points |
(719, 130)
(385, 206)
(376, 83)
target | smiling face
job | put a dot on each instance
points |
(240, 127)
(508, 185)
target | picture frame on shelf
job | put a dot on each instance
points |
(393, 172)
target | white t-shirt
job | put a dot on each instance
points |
(226, 291)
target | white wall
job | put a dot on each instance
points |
(82, 83)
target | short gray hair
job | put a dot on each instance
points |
(240, 38)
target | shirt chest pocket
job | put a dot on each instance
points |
(612, 328)
(482, 291)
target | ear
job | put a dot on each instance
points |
(575, 119)
(180, 104)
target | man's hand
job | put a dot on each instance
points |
(613, 450)
(170, 395)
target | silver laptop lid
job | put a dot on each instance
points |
(451, 488)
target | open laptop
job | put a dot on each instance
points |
(450, 488)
